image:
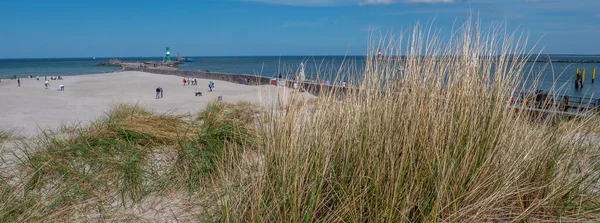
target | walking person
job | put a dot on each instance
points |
(161, 92)
(157, 93)
(18, 82)
(184, 81)
(211, 85)
(47, 84)
(37, 77)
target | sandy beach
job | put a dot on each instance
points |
(30, 108)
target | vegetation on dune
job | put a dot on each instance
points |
(426, 140)
(113, 157)
(4, 136)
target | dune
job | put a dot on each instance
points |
(31, 108)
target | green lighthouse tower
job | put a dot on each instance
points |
(168, 55)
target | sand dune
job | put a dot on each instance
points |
(31, 108)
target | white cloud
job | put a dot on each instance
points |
(376, 2)
(307, 2)
(347, 2)
(430, 1)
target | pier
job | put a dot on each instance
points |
(145, 65)
(565, 103)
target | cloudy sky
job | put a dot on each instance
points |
(116, 28)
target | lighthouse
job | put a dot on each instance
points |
(168, 55)
(378, 53)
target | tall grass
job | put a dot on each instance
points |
(4, 136)
(224, 131)
(427, 139)
(117, 162)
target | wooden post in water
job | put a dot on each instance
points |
(566, 102)
(593, 74)
(576, 78)
(582, 76)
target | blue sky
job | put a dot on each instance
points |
(117, 28)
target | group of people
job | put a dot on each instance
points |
(46, 83)
(159, 92)
(46, 77)
(189, 81)
(211, 87)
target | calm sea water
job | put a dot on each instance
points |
(323, 66)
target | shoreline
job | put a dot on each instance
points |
(31, 108)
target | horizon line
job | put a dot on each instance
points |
(38, 58)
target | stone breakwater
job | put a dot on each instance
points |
(310, 87)
(145, 65)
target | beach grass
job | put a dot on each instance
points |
(4, 136)
(426, 139)
(118, 161)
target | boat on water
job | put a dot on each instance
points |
(184, 59)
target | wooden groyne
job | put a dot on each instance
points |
(566, 103)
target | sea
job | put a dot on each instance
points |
(560, 72)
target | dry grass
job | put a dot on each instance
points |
(426, 140)
(129, 166)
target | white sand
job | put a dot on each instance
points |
(31, 108)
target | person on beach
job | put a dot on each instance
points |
(18, 82)
(195, 82)
(161, 92)
(37, 77)
(61, 88)
(47, 84)
(157, 93)
(344, 84)
(211, 85)
(184, 81)
(45, 78)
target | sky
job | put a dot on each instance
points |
(130, 28)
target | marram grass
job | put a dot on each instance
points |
(427, 139)
(111, 166)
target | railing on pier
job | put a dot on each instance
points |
(567, 103)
